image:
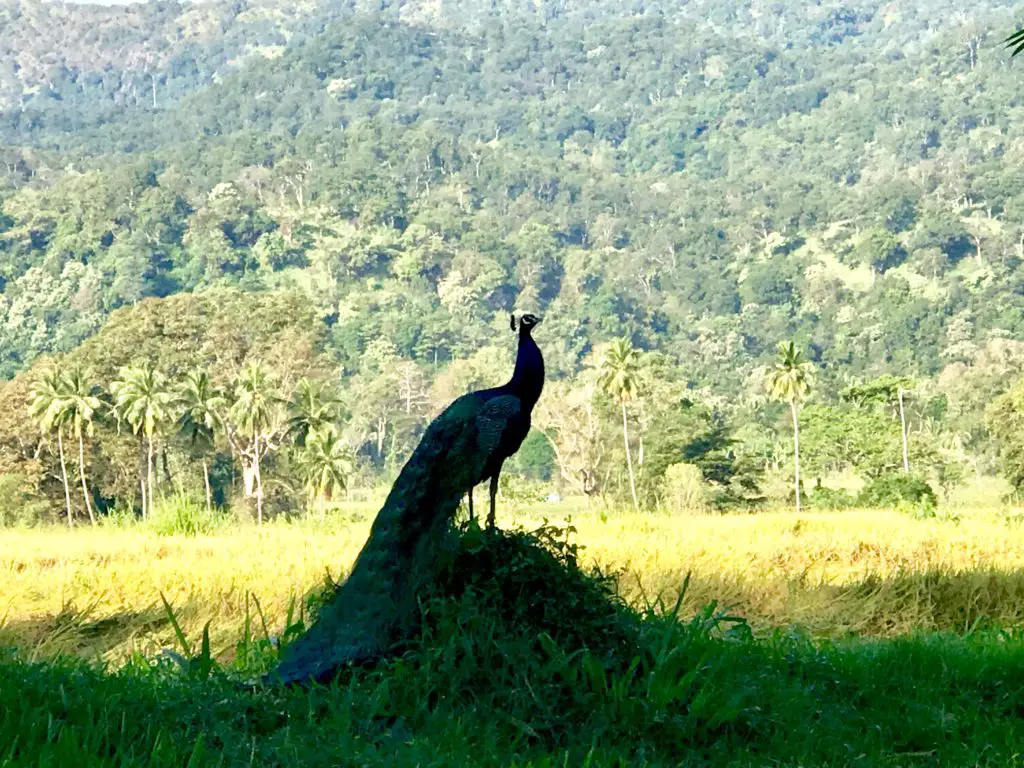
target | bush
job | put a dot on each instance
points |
(19, 506)
(684, 489)
(121, 516)
(281, 500)
(185, 516)
(894, 489)
(925, 510)
(520, 585)
(830, 498)
(521, 491)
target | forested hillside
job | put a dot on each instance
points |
(704, 179)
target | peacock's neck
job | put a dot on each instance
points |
(528, 376)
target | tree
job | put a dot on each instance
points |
(686, 432)
(424, 231)
(568, 417)
(1005, 417)
(879, 249)
(252, 426)
(790, 381)
(143, 400)
(48, 406)
(618, 378)
(82, 405)
(202, 405)
(313, 407)
(889, 391)
(770, 283)
(847, 437)
(325, 464)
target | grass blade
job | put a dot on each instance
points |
(177, 627)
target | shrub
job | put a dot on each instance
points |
(830, 498)
(281, 500)
(522, 584)
(121, 516)
(684, 489)
(925, 510)
(185, 516)
(521, 491)
(19, 506)
(892, 489)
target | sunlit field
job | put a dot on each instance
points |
(846, 638)
(96, 593)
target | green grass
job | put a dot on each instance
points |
(705, 699)
(525, 658)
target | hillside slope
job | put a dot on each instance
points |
(706, 179)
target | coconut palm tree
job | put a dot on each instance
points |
(790, 381)
(48, 405)
(325, 464)
(313, 406)
(82, 405)
(253, 420)
(618, 378)
(202, 406)
(143, 400)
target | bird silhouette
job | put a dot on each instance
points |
(500, 417)
(465, 445)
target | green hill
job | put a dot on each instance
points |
(707, 179)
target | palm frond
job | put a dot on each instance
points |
(1016, 42)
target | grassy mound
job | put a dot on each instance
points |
(515, 625)
(525, 586)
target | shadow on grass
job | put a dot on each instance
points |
(80, 631)
(706, 700)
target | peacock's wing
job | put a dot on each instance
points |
(475, 436)
(498, 431)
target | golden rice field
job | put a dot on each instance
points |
(96, 593)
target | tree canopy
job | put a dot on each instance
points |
(358, 194)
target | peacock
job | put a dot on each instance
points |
(500, 417)
(466, 444)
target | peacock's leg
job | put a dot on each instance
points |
(470, 494)
(491, 517)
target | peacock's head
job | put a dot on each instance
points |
(526, 323)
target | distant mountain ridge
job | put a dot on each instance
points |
(127, 54)
(706, 178)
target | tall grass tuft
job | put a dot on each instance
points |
(183, 515)
(121, 516)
